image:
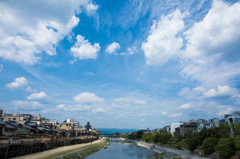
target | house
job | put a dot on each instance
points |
(189, 126)
(202, 123)
(214, 122)
(174, 126)
(8, 130)
(232, 118)
(74, 124)
(19, 118)
(167, 129)
(20, 129)
(2, 127)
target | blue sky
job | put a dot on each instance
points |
(122, 63)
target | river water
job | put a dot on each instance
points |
(123, 150)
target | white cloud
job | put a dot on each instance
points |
(139, 101)
(99, 110)
(217, 33)
(19, 82)
(220, 92)
(130, 51)
(175, 115)
(164, 113)
(185, 106)
(26, 33)
(87, 97)
(60, 106)
(112, 48)
(39, 95)
(212, 49)
(163, 42)
(32, 105)
(1, 67)
(84, 50)
(172, 115)
(221, 110)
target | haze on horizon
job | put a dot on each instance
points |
(122, 63)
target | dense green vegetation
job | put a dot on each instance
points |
(223, 140)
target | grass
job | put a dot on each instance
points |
(80, 152)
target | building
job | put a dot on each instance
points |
(202, 123)
(39, 120)
(214, 122)
(167, 128)
(174, 126)
(88, 126)
(232, 118)
(1, 112)
(189, 126)
(72, 123)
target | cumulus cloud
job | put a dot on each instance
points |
(112, 48)
(32, 105)
(71, 108)
(19, 82)
(26, 33)
(212, 48)
(217, 33)
(39, 95)
(163, 41)
(84, 50)
(210, 51)
(221, 92)
(185, 106)
(88, 98)
(60, 106)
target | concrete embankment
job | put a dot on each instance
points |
(68, 152)
(167, 152)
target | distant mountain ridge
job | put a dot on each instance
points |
(112, 131)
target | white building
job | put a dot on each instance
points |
(173, 126)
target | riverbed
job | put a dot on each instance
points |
(123, 150)
(130, 149)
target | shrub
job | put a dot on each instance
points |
(226, 147)
(237, 140)
(209, 145)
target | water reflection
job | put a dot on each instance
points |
(119, 149)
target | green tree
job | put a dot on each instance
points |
(224, 130)
(237, 140)
(146, 137)
(139, 134)
(155, 137)
(191, 140)
(209, 145)
(226, 147)
(132, 136)
(164, 137)
(236, 128)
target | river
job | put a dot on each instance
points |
(123, 150)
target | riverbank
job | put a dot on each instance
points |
(73, 151)
(166, 152)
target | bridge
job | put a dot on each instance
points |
(110, 136)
